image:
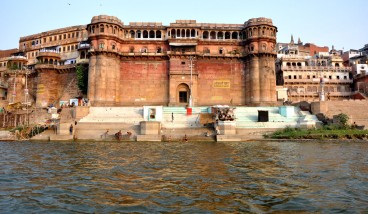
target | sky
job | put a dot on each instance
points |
(323, 22)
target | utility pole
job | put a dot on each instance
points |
(191, 81)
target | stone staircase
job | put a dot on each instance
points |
(181, 119)
(247, 117)
(100, 119)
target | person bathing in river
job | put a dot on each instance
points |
(118, 135)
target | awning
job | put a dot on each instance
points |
(182, 44)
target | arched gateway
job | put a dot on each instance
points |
(182, 93)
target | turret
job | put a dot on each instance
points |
(260, 56)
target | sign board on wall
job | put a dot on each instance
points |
(221, 84)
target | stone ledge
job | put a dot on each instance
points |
(152, 138)
(228, 138)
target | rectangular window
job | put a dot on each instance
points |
(308, 76)
(68, 35)
(64, 36)
(44, 40)
(77, 34)
(68, 48)
(59, 37)
(55, 38)
(72, 35)
(63, 49)
(300, 77)
(50, 38)
(294, 76)
(72, 47)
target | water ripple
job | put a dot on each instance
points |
(255, 177)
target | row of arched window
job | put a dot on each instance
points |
(183, 33)
(316, 89)
(299, 64)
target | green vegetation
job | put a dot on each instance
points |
(339, 130)
(82, 78)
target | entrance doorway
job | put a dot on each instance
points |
(182, 93)
(183, 97)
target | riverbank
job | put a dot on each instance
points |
(319, 134)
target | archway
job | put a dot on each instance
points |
(182, 93)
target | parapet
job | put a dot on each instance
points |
(258, 21)
(108, 19)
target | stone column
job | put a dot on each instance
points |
(117, 81)
(100, 80)
(92, 79)
(254, 79)
(264, 79)
(248, 86)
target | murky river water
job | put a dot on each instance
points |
(259, 177)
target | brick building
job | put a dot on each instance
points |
(147, 63)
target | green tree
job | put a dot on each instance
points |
(82, 77)
(343, 118)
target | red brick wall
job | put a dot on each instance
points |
(217, 70)
(144, 82)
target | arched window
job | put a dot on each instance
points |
(173, 33)
(288, 64)
(102, 29)
(293, 64)
(178, 33)
(205, 35)
(250, 32)
(213, 35)
(139, 34)
(227, 35)
(51, 61)
(182, 33)
(152, 34)
(337, 65)
(234, 35)
(46, 61)
(299, 64)
(187, 33)
(158, 34)
(132, 34)
(220, 35)
(192, 33)
(145, 34)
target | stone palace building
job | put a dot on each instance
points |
(147, 63)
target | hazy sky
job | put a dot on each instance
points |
(322, 22)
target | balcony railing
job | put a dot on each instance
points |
(317, 68)
(327, 81)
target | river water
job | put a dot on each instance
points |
(139, 177)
